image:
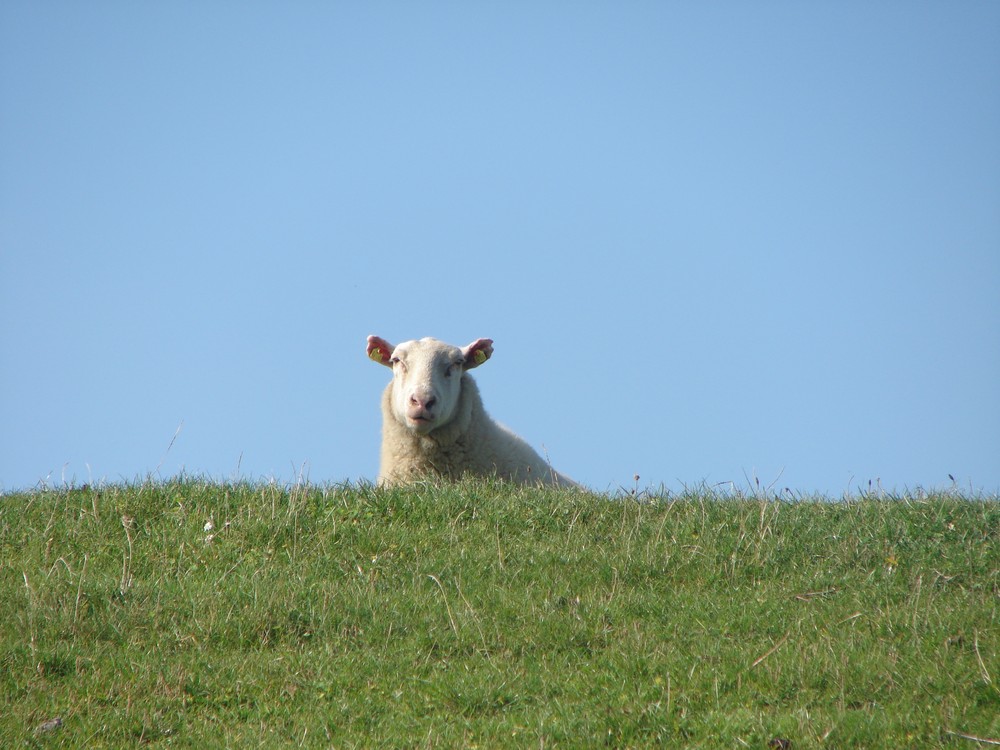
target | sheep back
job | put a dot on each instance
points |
(470, 444)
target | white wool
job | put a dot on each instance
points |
(434, 423)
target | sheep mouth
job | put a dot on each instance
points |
(421, 422)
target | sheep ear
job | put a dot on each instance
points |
(380, 350)
(477, 352)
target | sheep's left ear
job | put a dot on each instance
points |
(477, 352)
(380, 350)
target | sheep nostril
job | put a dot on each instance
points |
(422, 403)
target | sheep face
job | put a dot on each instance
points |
(427, 378)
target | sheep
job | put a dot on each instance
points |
(434, 423)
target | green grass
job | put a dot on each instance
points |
(481, 615)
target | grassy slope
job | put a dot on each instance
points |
(479, 615)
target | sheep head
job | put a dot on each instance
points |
(427, 377)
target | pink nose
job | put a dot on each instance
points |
(423, 403)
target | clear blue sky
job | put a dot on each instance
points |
(711, 241)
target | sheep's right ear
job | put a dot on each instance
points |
(477, 352)
(380, 350)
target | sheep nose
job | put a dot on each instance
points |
(423, 403)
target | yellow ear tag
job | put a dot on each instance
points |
(376, 355)
(479, 356)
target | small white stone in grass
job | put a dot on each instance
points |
(50, 725)
(209, 525)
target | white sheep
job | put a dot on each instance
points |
(434, 423)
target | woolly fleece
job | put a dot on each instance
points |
(470, 443)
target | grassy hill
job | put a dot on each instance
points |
(189, 614)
